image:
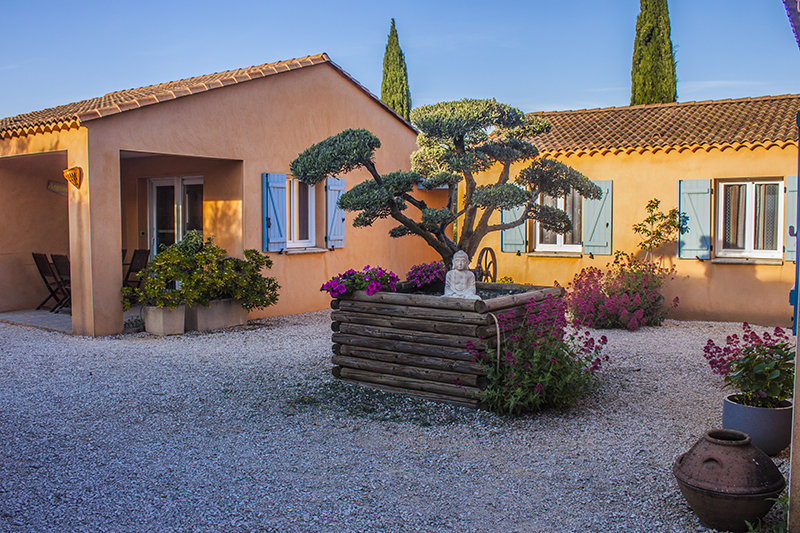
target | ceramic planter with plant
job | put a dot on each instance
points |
(761, 369)
(160, 293)
(223, 289)
(216, 291)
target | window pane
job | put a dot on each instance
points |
(574, 210)
(194, 207)
(548, 237)
(766, 216)
(165, 216)
(734, 217)
(302, 211)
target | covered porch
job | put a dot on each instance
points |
(144, 201)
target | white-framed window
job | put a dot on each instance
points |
(591, 226)
(750, 219)
(300, 212)
(549, 241)
(291, 215)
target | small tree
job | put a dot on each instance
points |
(653, 70)
(395, 91)
(457, 140)
(658, 227)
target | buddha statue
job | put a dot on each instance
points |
(460, 282)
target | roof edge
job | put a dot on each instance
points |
(666, 148)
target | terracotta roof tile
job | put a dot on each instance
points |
(745, 121)
(71, 115)
(121, 101)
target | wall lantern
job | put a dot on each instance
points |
(73, 175)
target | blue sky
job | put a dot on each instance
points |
(533, 54)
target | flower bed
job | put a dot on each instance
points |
(416, 344)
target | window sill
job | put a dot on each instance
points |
(299, 251)
(745, 261)
(576, 255)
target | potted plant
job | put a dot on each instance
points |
(223, 289)
(427, 277)
(163, 304)
(389, 336)
(761, 369)
(194, 277)
(415, 343)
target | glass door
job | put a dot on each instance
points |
(176, 207)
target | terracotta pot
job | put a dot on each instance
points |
(769, 428)
(727, 481)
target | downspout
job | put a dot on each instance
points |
(794, 472)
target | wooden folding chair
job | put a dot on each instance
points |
(50, 279)
(138, 262)
(61, 263)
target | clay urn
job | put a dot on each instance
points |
(727, 481)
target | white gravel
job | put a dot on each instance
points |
(246, 430)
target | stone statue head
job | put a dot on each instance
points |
(460, 260)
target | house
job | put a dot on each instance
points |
(209, 153)
(729, 165)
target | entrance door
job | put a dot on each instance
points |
(176, 207)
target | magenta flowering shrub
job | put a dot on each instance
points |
(628, 295)
(542, 364)
(369, 280)
(426, 273)
(760, 367)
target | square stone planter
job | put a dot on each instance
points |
(219, 314)
(163, 320)
(415, 344)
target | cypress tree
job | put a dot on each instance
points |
(394, 87)
(653, 71)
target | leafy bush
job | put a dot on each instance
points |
(658, 227)
(760, 367)
(426, 273)
(540, 365)
(195, 270)
(628, 295)
(370, 280)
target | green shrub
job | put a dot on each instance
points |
(197, 271)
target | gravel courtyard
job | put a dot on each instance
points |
(245, 430)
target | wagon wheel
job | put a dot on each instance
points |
(487, 266)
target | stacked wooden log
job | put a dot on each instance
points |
(416, 343)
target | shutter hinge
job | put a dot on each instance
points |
(269, 222)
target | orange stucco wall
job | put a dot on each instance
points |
(707, 291)
(230, 136)
(33, 220)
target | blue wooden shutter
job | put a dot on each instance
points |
(274, 211)
(334, 188)
(513, 240)
(694, 200)
(789, 242)
(597, 221)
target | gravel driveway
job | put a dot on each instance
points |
(245, 430)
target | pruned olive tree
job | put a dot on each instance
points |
(457, 141)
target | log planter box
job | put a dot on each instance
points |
(415, 344)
